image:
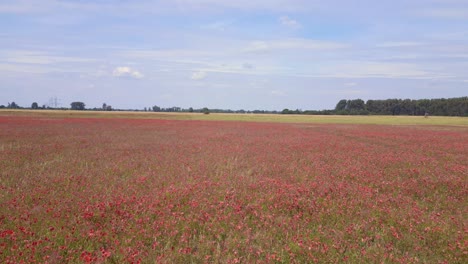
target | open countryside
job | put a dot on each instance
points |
(138, 190)
(220, 131)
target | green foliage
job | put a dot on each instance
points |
(438, 107)
(108, 108)
(291, 112)
(341, 105)
(77, 106)
(34, 106)
(357, 105)
(13, 105)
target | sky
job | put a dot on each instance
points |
(243, 54)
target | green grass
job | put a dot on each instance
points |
(332, 119)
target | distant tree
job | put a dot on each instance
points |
(205, 110)
(13, 105)
(341, 105)
(156, 108)
(356, 104)
(407, 107)
(373, 106)
(190, 110)
(436, 107)
(77, 106)
(35, 106)
(104, 106)
(2, 106)
(174, 109)
(287, 111)
(144, 109)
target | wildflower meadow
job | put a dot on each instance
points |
(122, 190)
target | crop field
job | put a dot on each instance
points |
(272, 118)
(137, 190)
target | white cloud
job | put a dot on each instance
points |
(308, 44)
(38, 57)
(25, 68)
(296, 57)
(151, 7)
(346, 92)
(127, 72)
(199, 75)
(286, 21)
(293, 44)
(399, 44)
(369, 69)
(42, 62)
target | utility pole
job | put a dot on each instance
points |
(54, 102)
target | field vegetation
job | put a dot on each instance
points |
(141, 188)
(272, 118)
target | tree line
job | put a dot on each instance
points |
(438, 107)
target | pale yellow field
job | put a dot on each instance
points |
(327, 119)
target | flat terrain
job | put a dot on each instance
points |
(132, 187)
(324, 119)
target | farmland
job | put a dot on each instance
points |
(119, 188)
(275, 118)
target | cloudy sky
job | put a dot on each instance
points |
(243, 54)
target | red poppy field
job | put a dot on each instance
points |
(91, 190)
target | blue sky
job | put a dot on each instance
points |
(263, 54)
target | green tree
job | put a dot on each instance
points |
(77, 106)
(35, 106)
(341, 105)
(13, 105)
(356, 105)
